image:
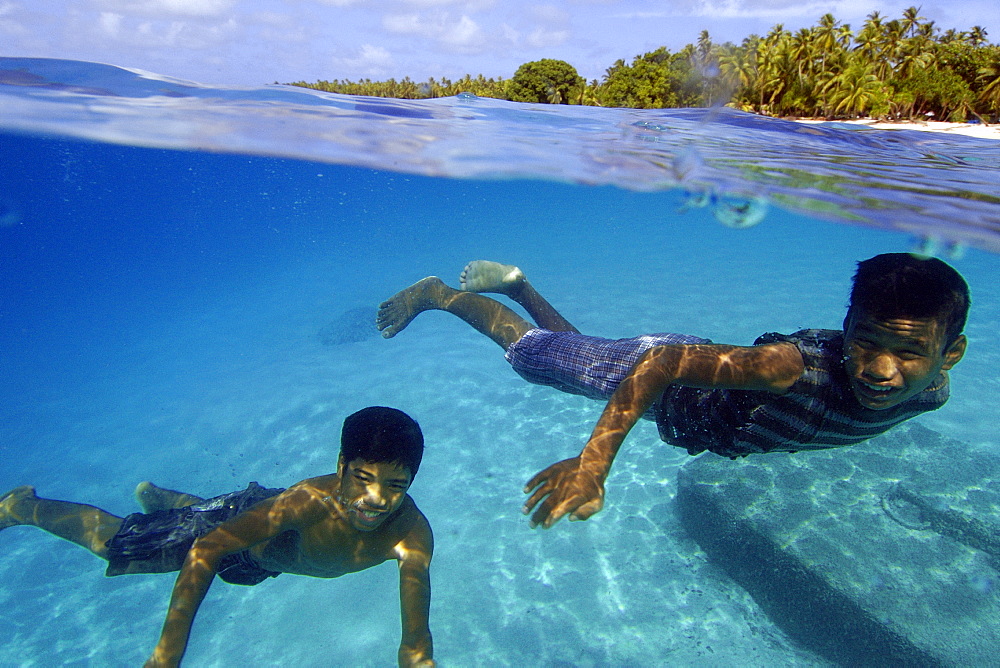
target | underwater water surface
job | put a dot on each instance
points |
(176, 263)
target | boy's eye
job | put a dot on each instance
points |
(857, 344)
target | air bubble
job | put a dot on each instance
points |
(739, 212)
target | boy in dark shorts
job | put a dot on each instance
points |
(323, 527)
(809, 390)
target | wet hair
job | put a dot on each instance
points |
(894, 285)
(380, 434)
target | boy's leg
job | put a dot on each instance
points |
(506, 279)
(152, 498)
(488, 316)
(87, 526)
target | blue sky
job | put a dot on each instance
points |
(250, 42)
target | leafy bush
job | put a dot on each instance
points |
(546, 80)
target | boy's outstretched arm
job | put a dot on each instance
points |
(189, 590)
(575, 486)
(240, 533)
(414, 554)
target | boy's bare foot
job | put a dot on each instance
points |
(488, 276)
(395, 313)
(9, 500)
(152, 498)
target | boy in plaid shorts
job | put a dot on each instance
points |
(808, 390)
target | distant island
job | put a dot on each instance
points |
(899, 69)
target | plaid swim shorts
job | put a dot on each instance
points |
(587, 365)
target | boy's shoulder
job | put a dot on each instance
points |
(329, 484)
(413, 527)
(309, 500)
(822, 353)
(410, 515)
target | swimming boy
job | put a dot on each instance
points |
(809, 390)
(323, 527)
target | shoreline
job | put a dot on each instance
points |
(977, 130)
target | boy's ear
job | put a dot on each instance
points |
(954, 353)
(340, 465)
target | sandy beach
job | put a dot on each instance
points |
(968, 129)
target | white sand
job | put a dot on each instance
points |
(967, 129)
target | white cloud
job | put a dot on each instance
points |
(371, 61)
(110, 23)
(752, 9)
(375, 55)
(464, 34)
(460, 34)
(10, 21)
(404, 24)
(550, 14)
(168, 7)
(770, 9)
(540, 38)
(466, 5)
(149, 34)
(551, 29)
(509, 33)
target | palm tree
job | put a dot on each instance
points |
(917, 52)
(989, 77)
(844, 36)
(738, 72)
(892, 39)
(801, 49)
(911, 19)
(703, 51)
(774, 62)
(826, 35)
(737, 66)
(951, 35)
(854, 90)
(977, 36)
(869, 40)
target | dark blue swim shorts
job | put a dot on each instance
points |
(158, 542)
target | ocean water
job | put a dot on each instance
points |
(173, 257)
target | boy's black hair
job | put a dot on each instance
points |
(381, 434)
(907, 285)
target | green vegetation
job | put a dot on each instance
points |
(903, 68)
(546, 80)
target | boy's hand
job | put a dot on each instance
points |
(414, 658)
(571, 489)
(159, 661)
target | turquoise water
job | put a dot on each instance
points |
(171, 252)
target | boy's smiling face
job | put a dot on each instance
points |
(370, 492)
(891, 360)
